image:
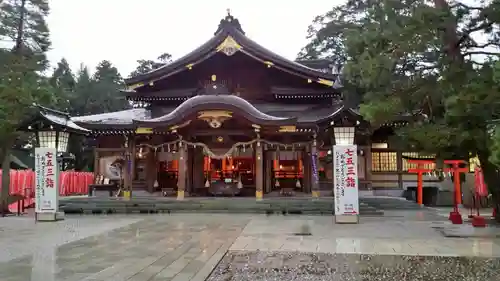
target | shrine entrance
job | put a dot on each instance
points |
(288, 172)
(229, 176)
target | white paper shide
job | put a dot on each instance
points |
(46, 190)
(345, 160)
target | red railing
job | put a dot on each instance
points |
(22, 182)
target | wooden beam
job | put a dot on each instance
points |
(110, 149)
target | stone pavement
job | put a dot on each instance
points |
(187, 247)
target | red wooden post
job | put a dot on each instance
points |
(420, 170)
(480, 191)
(455, 216)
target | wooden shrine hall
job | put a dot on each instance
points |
(230, 118)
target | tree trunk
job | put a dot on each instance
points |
(20, 28)
(491, 178)
(4, 195)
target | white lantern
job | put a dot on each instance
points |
(62, 141)
(47, 139)
(344, 135)
(53, 139)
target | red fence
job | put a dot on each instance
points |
(22, 182)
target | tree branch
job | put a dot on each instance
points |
(481, 53)
(466, 33)
(458, 4)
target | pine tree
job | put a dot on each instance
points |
(25, 34)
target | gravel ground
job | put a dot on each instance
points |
(295, 266)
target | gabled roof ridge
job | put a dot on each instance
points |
(231, 29)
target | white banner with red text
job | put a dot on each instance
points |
(345, 184)
(46, 180)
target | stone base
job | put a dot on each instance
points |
(127, 194)
(180, 195)
(347, 219)
(43, 217)
(259, 195)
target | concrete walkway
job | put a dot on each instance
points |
(188, 246)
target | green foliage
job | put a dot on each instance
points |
(24, 30)
(421, 59)
(25, 38)
(63, 84)
(85, 94)
(145, 66)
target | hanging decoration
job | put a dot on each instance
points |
(172, 146)
(314, 157)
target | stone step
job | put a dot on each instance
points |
(285, 206)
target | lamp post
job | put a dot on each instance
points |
(345, 168)
(52, 129)
(51, 144)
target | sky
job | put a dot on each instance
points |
(124, 31)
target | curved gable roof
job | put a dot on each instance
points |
(217, 102)
(229, 33)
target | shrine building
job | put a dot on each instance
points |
(233, 118)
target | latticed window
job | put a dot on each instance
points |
(47, 139)
(407, 165)
(384, 162)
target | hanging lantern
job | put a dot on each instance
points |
(207, 183)
(277, 183)
(155, 184)
(297, 184)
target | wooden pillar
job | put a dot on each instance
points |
(189, 170)
(127, 170)
(368, 165)
(131, 164)
(151, 170)
(306, 159)
(399, 165)
(268, 166)
(259, 171)
(314, 172)
(198, 169)
(96, 164)
(181, 179)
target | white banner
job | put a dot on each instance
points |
(46, 180)
(345, 169)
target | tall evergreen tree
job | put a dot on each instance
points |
(145, 66)
(63, 82)
(407, 56)
(24, 31)
(108, 83)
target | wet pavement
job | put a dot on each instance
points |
(189, 246)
